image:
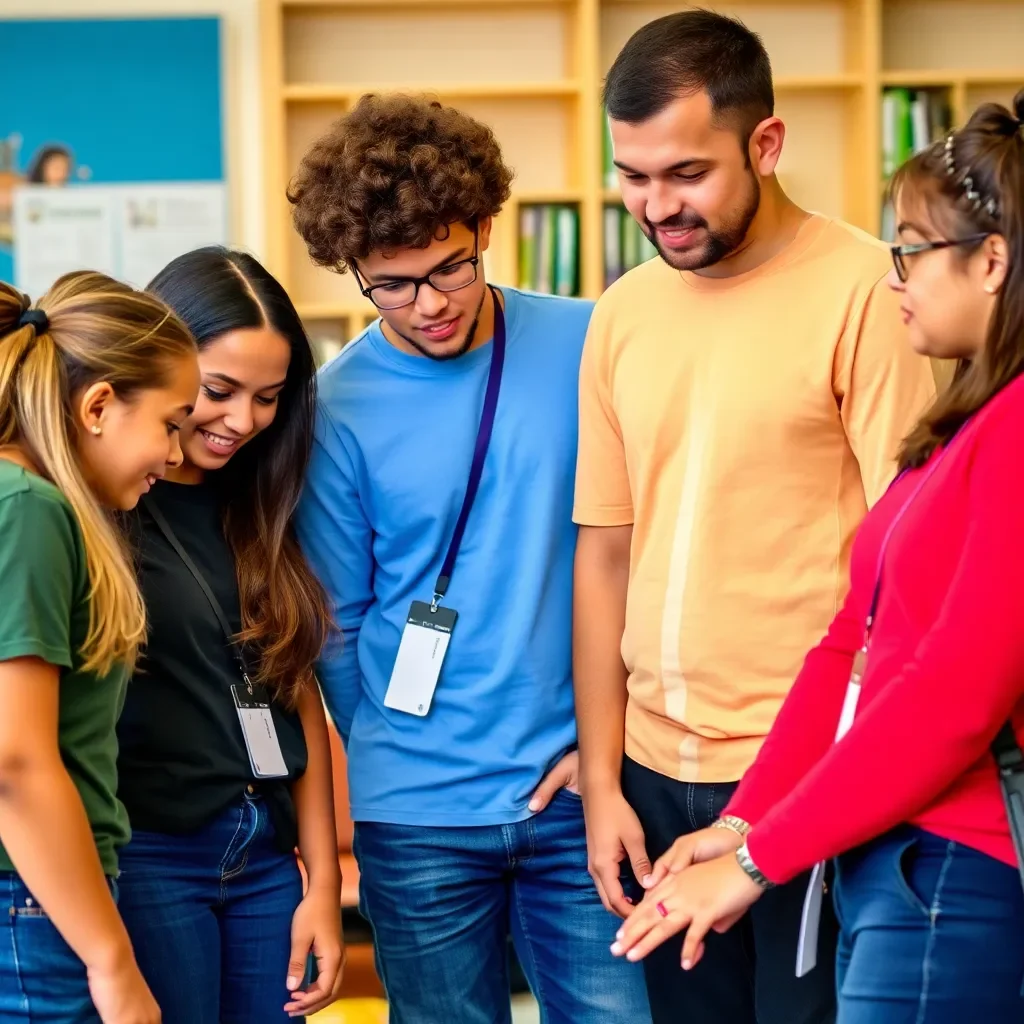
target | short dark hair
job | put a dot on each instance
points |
(391, 174)
(686, 53)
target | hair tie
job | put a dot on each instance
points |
(37, 318)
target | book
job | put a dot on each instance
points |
(549, 248)
(912, 119)
(626, 245)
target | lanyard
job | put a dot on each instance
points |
(483, 440)
(860, 659)
(165, 528)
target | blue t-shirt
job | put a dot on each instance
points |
(394, 443)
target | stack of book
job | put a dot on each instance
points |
(549, 248)
(912, 119)
(625, 244)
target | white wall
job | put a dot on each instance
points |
(241, 89)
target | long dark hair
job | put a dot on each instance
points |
(285, 616)
(989, 150)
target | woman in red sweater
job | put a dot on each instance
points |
(881, 755)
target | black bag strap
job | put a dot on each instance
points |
(165, 528)
(1006, 750)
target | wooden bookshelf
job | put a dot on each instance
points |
(532, 69)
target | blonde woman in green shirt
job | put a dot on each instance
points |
(95, 383)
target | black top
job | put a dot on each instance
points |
(182, 755)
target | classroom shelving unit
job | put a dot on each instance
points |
(532, 69)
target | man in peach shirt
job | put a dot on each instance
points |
(742, 399)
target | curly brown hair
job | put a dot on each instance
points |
(391, 174)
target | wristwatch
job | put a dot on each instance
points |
(730, 821)
(752, 870)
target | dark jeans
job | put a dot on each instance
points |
(442, 902)
(42, 981)
(748, 974)
(932, 933)
(210, 918)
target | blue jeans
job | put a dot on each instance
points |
(932, 932)
(41, 978)
(210, 916)
(443, 901)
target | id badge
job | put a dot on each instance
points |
(260, 733)
(810, 917)
(421, 654)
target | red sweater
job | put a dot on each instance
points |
(945, 668)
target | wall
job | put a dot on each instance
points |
(242, 106)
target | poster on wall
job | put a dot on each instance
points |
(113, 160)
(128, 231)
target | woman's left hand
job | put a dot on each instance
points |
(316, 927)
(715, 894)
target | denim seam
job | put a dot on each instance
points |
(226, 875)
(528, 942)
(14, 950)
(689, 808)
(711, 803)
(934, 914)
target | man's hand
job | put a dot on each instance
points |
(565, 775)
(697, 847)
(614, 833)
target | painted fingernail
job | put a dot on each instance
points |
(534, 804)
(646, 880)
(628, 900)
(632, 955)
(619, 934)
(687, 964)
(616, 948)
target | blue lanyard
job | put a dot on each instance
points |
(483, 440)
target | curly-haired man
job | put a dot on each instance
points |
(438, 512)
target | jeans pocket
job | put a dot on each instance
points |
(904, 855)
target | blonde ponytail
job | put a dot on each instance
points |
(99, 330)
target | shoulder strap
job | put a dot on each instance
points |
(165, 528)
(1006, 750)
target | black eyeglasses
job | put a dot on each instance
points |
(901, 252)
(403, 292)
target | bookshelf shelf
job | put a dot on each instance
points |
(949, 78)
(335, 310)
(553, 196)
(316, 93)
(532, 70)
(818, 83)
(376, 5)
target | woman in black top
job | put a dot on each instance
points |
(224, 754)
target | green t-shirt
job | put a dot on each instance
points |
(44, 612)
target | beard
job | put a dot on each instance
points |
(464, 347)
(719, 244)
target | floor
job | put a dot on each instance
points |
(374, 1011)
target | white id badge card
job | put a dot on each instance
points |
(260, 734)
(810, 918)
(421, 654)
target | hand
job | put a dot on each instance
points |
(697, 847)
(565, 775)
(316, 926)
(121, 995)
(614, 833)
(715, 894)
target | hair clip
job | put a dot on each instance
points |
(967, 183)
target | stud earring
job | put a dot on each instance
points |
(97, 429)
(990, 289)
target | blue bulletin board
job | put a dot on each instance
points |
(112, 100)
